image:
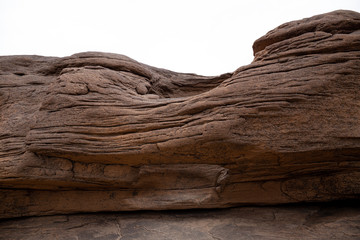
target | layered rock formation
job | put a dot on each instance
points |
(102, 132)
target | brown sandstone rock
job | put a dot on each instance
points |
(310, 222)
(102, 132)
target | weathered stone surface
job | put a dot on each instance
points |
(102, 132)
(288, 223)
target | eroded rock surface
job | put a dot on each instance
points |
(268, 223)
(102, 132)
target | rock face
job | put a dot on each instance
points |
(261, 223)
(102, 132)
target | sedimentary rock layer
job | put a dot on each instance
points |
(310, 222)
(102, 132)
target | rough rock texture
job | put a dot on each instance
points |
(102, 132)
(247, 223)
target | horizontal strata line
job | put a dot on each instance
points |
(237, 75)
(52, 141)
(165, 124)
(3, 137)
(107, 190)
(103, 134)
(283, 179)
(309, 52)
(141, 107)
(295, 69)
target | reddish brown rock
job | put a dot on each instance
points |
(102, 132)
(310, 222)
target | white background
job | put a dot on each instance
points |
(206, 37)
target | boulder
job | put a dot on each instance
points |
(102, 132)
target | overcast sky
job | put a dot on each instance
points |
(197, 36)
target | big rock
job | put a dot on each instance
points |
(102, 132)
